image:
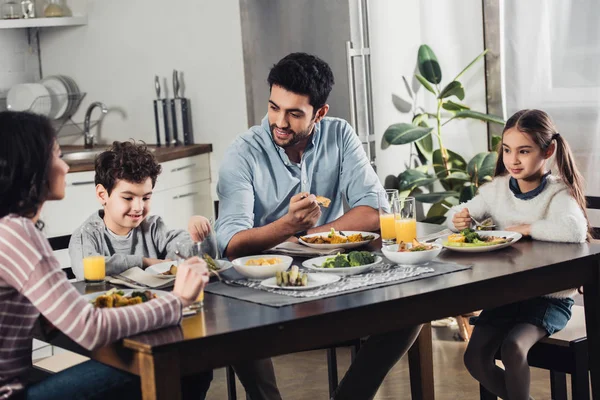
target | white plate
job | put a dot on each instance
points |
(483, 249)
(158, 269)
(58, 94)
(92, 296)
(314, 281)
(313, 262)
(32, 97)
(339, 245)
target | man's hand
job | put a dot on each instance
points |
(192, 276)
(199, 228)
(524, 229)
(462, 219)
(304, 212)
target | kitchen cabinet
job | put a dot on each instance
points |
(182, 190)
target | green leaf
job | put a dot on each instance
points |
(459, 176)
(425, 84)
(438, 210)
(452, 106)
(425, 147)
(435, 197)
(412, 178)
(467, 193)
(488, 166)
(420, 120)
(438, 220)
(496, 140)
(471, 64)
(454, 88)
(404, 133)
(474, 165)
(477, 115)
(455, 163)
(428, 64)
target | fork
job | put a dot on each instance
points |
(477, 223)
(210, 271)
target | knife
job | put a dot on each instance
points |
(186, 113)
(166, 120)
(173, 107)
(156, 118)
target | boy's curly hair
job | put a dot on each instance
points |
(126, 161)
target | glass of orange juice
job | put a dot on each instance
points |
(405, 221)
(94, 269)
(386, 215)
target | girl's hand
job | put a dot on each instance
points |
(462, 219)
(192, 276)
(524, 229)
(199, 228)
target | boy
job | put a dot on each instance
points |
(122, 230)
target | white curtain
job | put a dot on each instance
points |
(551, 52)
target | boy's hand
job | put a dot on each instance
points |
(199, 228)
(462, 219)
(192, 276)
(304, 212)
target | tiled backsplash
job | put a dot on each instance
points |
(19, 62)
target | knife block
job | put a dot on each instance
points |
(182, 119)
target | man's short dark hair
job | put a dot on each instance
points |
(126, 161)
(303, 74)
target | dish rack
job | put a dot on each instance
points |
(44, 105)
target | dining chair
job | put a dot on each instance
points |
(565, 352)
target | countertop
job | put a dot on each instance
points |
(162, 154)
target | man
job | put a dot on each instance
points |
(267, 187)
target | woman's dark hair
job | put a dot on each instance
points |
(26, 151)
(303, 74)
(126, 161)
(539, 126)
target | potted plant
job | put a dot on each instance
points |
(460, 179)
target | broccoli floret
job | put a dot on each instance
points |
(357, 258)
(340, 261)
(328, 263)
(331, 233)
(470, 235)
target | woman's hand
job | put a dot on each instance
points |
(524, 229)
(192, 276)
(462, 219)
(199, 228)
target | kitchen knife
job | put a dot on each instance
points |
(156, 117)
(165, 107)
(186, 114)
(174, 106)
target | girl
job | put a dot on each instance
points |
(33, 284)
(524, 197)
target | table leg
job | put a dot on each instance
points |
(591, 298)
(160, 376)
(420, 362)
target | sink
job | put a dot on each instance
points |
(81, 155)
(86, 154)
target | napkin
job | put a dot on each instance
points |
(137, 278)
(297, 249)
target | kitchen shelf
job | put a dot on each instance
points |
(42, 22)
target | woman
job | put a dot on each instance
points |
(32, 282)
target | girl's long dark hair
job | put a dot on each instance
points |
(538, 125)
(27, 143)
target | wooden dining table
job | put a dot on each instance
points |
(228, 331)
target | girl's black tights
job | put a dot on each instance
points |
(511, 383)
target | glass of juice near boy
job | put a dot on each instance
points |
(405, 221)
(94, 270)
(386, 215)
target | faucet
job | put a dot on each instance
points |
(87, 135)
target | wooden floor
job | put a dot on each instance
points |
(304, 375)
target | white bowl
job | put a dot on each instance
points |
(410, 257)
(261, 271)
(32, 97)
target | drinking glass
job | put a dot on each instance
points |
(386, 215)
(94, 264)
(405, 219)
(94, 270)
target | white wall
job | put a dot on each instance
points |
(454, 30)
(18, 60)
(115, 57)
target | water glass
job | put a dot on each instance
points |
(386, 215)
(188, 249)
(405, 219)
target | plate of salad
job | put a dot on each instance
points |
(472, 241)
(355, 262)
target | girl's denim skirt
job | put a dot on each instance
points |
(548, 313)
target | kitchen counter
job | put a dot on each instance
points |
(162, 154)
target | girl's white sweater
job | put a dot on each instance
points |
(554, 215)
